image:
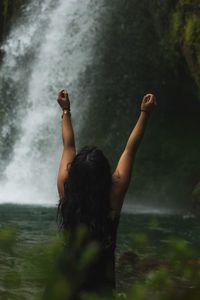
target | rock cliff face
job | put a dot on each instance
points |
(145, 46)
(141, 52)
(185, 29)
(9, 11)
(178, 26)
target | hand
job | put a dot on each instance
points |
(63, 100)
(148, 103)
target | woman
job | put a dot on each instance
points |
(92, 196)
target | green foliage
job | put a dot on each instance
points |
(12, 280)
(8, 237)
(185, 33)
(192, 30)
(40, 260)
(179, 250)
(140, 239)
(178, 277)
(176, 26)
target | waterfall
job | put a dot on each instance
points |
(49, 48)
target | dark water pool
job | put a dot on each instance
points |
(147, 235)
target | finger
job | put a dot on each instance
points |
(65, 95)
(64, 91)
(60, 93)
(152, 98)
(148, 95)
(146, 98)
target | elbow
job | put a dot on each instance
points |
(69, 144)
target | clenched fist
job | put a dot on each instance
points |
(63, 100)
(148, 103)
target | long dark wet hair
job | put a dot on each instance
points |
(87, 193)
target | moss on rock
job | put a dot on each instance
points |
(185, 34)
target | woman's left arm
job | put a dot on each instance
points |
(69, 150)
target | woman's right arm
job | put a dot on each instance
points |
(69, 150)
(122, 174)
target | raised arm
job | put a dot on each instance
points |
(123, 171)
(68, 141)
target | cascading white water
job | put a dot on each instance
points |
(48, 50)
